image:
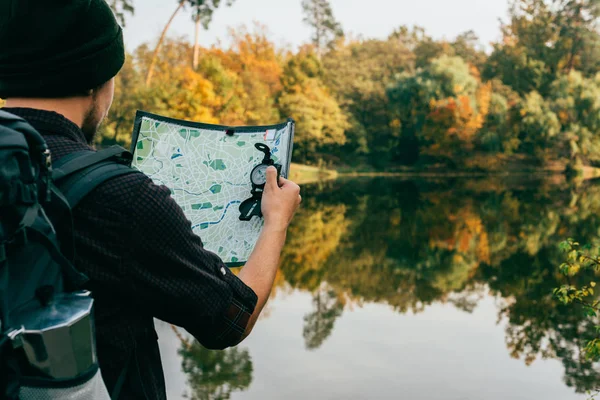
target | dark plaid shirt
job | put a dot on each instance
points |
(143, 260)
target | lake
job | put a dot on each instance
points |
(412, 289)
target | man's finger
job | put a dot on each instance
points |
(272, 178)
(283, 181)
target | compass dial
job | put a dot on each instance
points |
(259, 175)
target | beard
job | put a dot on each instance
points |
(91, 122)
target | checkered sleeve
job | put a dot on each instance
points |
(181, 282)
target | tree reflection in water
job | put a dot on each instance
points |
(214, 375)
(320, 323)
(410, 244)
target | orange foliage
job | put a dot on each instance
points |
(252, 54)
(469, 236)
(457, 119)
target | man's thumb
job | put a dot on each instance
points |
(272, 177)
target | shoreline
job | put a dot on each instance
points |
(305, 174)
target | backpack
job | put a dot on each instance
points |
(47, 340)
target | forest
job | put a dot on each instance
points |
(405, 102)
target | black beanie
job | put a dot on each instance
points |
(56, 48)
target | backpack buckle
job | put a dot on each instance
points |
(16, 337)
(47, 159)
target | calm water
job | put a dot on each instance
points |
(395, 289)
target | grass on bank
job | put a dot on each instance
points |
(302, 174)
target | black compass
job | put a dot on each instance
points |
(258, 177)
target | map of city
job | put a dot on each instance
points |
(207, 168)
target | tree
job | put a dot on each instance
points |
(537, 126)
(576, 102)
(120, 8)
(163, 34)
(319, 16)
(202, 13)
(128, 98)
(467, 46)
(357, 73)
(443, 106)
(247, 76)
(544, 39)
(579, 37)
(423, 46)
(320, 121)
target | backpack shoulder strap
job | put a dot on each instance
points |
(78, 174)
(81, 160)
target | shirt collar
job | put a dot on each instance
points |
(49, 123)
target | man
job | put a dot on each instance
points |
(58, 59)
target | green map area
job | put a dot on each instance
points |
(208, 173)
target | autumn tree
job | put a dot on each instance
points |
(442, 106)
(202, 14)
(358, 72)
(128, 98)
(326, 29)
(579, 41)
(544, 39)
(320, 120)
(423, 46)
(178, 91)
(575, 100)
(247, 76)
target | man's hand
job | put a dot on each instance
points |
(280, 200)
(279, 203)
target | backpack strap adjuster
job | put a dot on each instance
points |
(16, 337)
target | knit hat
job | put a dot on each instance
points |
(56, 48)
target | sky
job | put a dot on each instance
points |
(283, 18)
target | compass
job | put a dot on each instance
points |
(258, 177)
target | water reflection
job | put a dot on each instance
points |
(214, 375)
(319, 324)
(410, 244)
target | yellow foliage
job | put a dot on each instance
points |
(313, 237)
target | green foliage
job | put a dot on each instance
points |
(576, 101)
(543, 40)
(516, 69)
(536, 125)
(358, 72)
(442, 107)
(320, 121)
(578, 260)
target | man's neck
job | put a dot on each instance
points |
(73, 109)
